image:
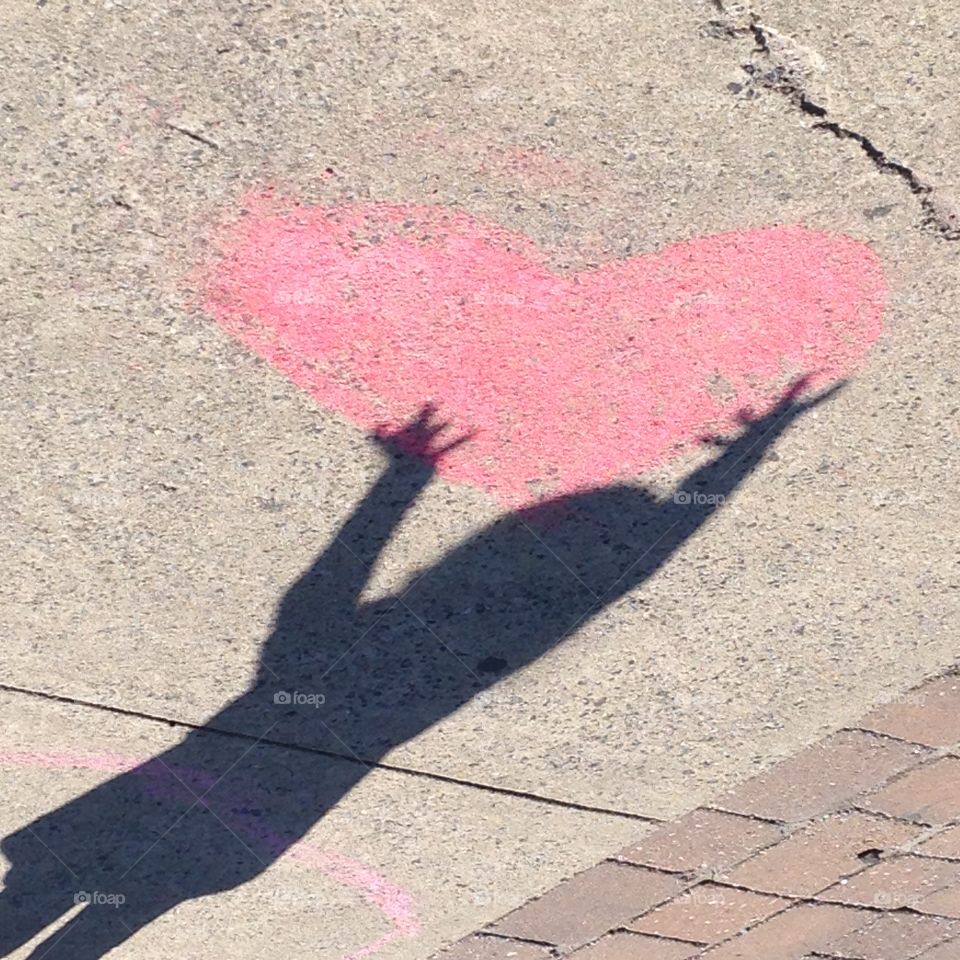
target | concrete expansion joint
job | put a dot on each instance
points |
(346, 756)
(783, 71)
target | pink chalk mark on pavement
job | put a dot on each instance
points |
(568, 382)
(161, 779)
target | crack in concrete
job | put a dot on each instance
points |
(198, 137)
(738, 21)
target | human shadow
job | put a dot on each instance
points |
(340, 677)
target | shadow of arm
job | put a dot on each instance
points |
(337, 577)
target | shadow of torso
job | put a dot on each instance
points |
(221, 805)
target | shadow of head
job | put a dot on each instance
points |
(371, 675)
(496, 602)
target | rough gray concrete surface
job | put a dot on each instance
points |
(876, 73)
(393, 859)
(165, 488)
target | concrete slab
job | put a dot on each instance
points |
(171, 489)
(99, 806)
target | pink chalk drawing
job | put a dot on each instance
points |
(565, 381)
(164, 780)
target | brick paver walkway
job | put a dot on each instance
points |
(849, 850)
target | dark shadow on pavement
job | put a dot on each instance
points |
(352, 679)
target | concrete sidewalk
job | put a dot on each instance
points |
(167, 488)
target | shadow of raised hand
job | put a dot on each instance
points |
(418, 437)
(219, 807)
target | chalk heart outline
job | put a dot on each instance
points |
(396, 905)
(566, 381)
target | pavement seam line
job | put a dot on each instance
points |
(493, 935)
(753, 817)
(881, 735)
(316, 751)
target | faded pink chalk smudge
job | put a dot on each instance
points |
(184, 784)
(568, 381)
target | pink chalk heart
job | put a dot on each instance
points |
(568, 381)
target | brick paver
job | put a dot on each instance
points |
(637, 946)
(848, 851)
(703, 841)
(588, 905)
(901, 882)
(823, 777)
(709, 913)
(893, 936)
(944, 903)
(930, 794)
(948, 950)
(788, 935)
(819, 855)
(946, 843)
(930, 715)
